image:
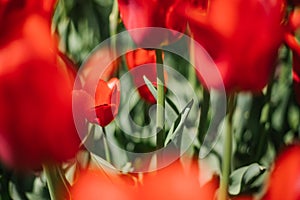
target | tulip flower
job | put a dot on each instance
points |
(100, 106)
(94, 185)
(142, 63)
(152, 13)
(36, 122)
(106, 102)
(284, 181)
(294, 19)
(174, 183)
(242, 38)
(100, 93)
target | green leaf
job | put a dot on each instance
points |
(108, 168)
(178, 125)
(101, 163)
(252, 173)
(150, 87)
(57, 183)
(242, 178)
(40, 191)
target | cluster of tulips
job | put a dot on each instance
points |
(36, 88)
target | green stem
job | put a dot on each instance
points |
(160, 115)
(106, 147)
(203, 115)
(57, 185)
(191, 73)
(113, 23)
(227, 156)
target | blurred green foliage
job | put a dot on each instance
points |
(82, 25)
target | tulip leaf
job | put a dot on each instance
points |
(56, 181)
(39, 191)
(179, 123)
(150, 87)
(100, 162)
(252, 174)
(243, 178)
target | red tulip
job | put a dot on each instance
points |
(106, 102)
(100, 106)
(95, 185)
(152, 13)
(36, 123)
(142, 63)
(242, 37)
(174, 183)
(284, 181)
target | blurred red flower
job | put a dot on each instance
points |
(36, 122)
(294, 19)
(152, 13)
(284, 181)
(142, 62)
(173, 182)
(242, 37)
(95, 185)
